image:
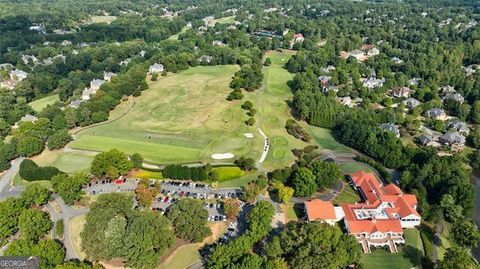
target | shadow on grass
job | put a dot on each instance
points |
(299, 210)
(413, 255)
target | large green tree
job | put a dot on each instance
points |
(303, 182)
(33, 224)
(111, 164)
(189, 218)
(465, 233)
(69, 187)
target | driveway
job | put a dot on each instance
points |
(6, 190)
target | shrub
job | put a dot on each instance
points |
(30, 171)
(59, 228)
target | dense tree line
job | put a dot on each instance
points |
(30, 171)
(184, 172)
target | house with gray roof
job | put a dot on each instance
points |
(447, 89)
(454, 96)
(18, 75)
(96, 83)
(6, 66)
(205, 59)
(390, 127)
(8, 84)
(426, 140)
(107, 76)
(26, 118)
(458, 126)
(373, 82)
(411, 103)
(452, 137)
(436, 114)
(76, 103)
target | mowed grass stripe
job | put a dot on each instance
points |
(150, 151)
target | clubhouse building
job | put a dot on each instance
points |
(377, 221)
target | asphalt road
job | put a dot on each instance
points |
(6, 190)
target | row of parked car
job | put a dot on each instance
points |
(186, 184)
(217, 218)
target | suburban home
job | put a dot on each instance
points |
(357, 54)
(66, 43)
(411, 103)
(217, 43)
(96, 83)
(75, 103)
(385, 211)
(28, 59)
(373, 82)
(324, 80)
(107, 76)
(126, 61)
(390, 127)
(427, 140)
(454, 96)
(373, 52)
(8, 84)
(346, 101)
(6, 66)
(414, 81)
(458, 126)
(436, 114)
(318, 210)
(26, 118)
(18, 75)
(298, 38)
(155, 68)
(452, 137)
(397, 60)
(205, 59)
(400, 92)
(447, 89)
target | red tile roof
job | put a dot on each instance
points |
(320, 210)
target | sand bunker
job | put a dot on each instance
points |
(248, 135)
(221, 156)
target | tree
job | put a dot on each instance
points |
(250, 121)
(30, 171)
(29, 146)
(300, 241)
(50, 252)
(35, 194)
(231, 207)
(326, 173)
(9, 210)
(148, 236)
(465, 233)
(284, 193)
(303, 182)
(58, 139)
(457, 258)
(69, 187)
(250, 191)
(144, 195)
(246, 164)
(267, 62)
(137, 160)
(189, 218)
(111, 164)
(33, 224)
(247, 105)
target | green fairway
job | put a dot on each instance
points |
(181, 118)
(239, 182)
(175, 36)
(228, 173)
(40, 104)
(223, 20)
(324, 138)
(68, 162)
(273, 111)
(408, 256)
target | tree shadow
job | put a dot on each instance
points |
(413, 255)
(299, 209)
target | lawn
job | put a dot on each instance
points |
(223, 20)
(101, 19)
(75, 227)
(146, 174)
(444, 240)
(68, 162)
(226, 173)
(352, 167)
(181, 118)
(273, 111)
(289, 211)
(18, 181)
(347, 196)
(187, 255)
(175, 36)
(324, 138)
(408, 256)
(40, 104)
(239, 182)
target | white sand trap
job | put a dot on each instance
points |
(248, 135)
(221, 156)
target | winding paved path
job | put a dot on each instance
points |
(6, 190)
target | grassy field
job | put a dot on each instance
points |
(187, 255)
(67, 162)
(324, 138)
(408, 257)
(353, 167)
(444, 240)
(180, 118)
(273, 111)
(223, 20)
(289, 211)
(348, 195)
(175, 36)
(102, 19)
(18, 181)
(226, 173)
(76, 227)
(239, 182)
(40, 104)
(146, 174)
